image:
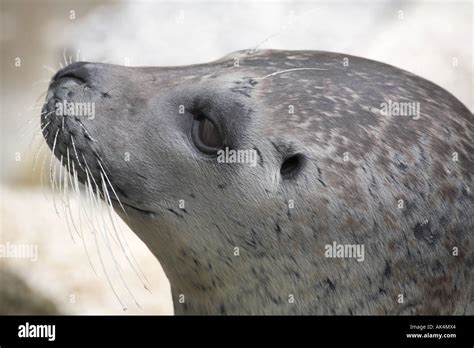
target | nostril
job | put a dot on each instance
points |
(291, 166)
(78, 71)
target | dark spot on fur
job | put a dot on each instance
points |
(402, 166)
(409, 208)
(330, 284)
(278, 229)
(443, 221)
(105, 95)
(221, 186)
(320, 176)
(388, 270)
(254, 271)
(421, 230)
(141, 176)
(437, 267)
(253, 82)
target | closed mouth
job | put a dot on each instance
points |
(126, 205)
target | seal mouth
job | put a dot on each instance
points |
(125, 205)
(68, 136)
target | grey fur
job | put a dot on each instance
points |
(408, 250)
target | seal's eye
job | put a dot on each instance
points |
(206, 135)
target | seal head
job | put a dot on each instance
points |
(351, 206)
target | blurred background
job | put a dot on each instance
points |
(433, 39)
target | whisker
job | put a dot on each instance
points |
(95, 200)
(51, 171)
(75, 152)
(64, 56)
(67, 210)
(125, 248)
(49, 69)
(282, 29)
(124, 308)
(38, 151)
(34, 84)
(106, 234)
(116, 196)
(85, 130)
(286, 71)
(46, 125)
(88, 188)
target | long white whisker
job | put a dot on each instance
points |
(106, 234)
(85, 130)
(83, 235)
(39, 150)
(49, 69)
(116, 196)
(52, 182)
(75, 153)
(125, 248)
(44, 127)
(34, 84)
(64, 56)
(95, 199)
(287, 71)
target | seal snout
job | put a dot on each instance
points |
(79, 71)
(68, 113)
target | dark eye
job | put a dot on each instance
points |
(206, 136)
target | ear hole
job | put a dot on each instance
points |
(291, 166)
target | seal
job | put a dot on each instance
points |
(360, 200)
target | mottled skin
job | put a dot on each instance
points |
(408, 250)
